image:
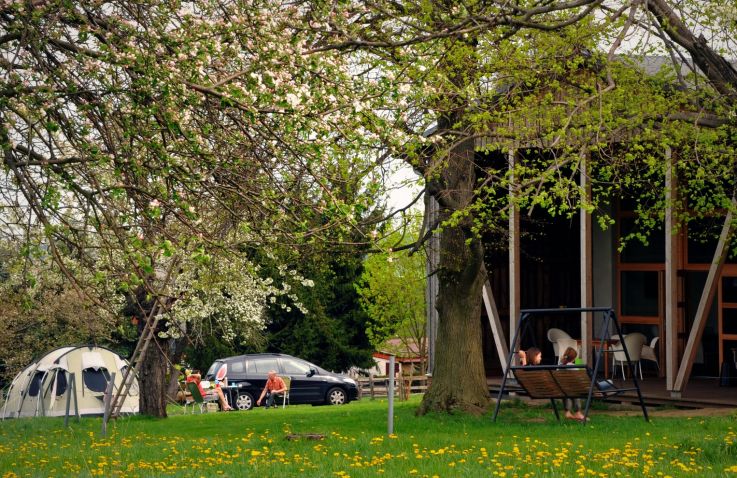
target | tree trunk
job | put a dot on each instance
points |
(459, 378)
(152, 378)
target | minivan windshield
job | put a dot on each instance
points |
(213, 368)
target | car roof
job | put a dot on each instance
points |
(265, 355)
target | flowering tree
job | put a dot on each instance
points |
(143, 137)
(42, 310)
(146, 139)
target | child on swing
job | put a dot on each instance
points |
(572, 406)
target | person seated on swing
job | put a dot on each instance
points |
(533, 356)
(573, 406)
(196, 377)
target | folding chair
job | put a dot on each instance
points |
(196, 397)
(288, 384)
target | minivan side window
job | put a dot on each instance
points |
(295, 367)
(263, 365)
(237, 366)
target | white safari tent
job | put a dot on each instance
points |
(68, 376)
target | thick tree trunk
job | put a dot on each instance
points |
(152, 379)
(459, 378)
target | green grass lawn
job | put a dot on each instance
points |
(525, 441)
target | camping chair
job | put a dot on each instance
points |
(196, 397)
(288, 384)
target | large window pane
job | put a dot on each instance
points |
(639, 293)
(729, 321)
(295, 367)
(703, 236)
(637, 252)
(729, 289)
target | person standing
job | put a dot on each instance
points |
(274, 386)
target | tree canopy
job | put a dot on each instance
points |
(146, 139)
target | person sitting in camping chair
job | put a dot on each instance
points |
(274, 386)
(196, 377)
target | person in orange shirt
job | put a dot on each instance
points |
(274, 386)
(196, 377)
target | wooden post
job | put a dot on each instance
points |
(371, 386)
(514, 253)
(495, 322)
(586, 259)
(432, 210)
(670, 335)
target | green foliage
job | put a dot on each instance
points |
(332, 331)
(392, 292)
(43, 311)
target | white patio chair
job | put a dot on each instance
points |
(634, 343)
(553, 336)
(649, 352)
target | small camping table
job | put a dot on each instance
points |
(232, 392)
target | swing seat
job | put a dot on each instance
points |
(562, 382)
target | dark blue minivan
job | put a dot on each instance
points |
(246, 376)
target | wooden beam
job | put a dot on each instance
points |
(707, 296)
(432, 209)
(514, 256)
(586, 259)
(670, 334)
(496, 324)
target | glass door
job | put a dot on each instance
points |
(728, 319)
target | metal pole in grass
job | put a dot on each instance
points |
(390, 395)
(106, 401)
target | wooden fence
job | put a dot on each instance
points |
(372, 387)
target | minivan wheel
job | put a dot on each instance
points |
(336, 396)
(244, 401)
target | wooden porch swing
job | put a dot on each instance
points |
(566, 381)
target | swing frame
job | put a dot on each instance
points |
(566, 381)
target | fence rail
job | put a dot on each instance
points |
(373, 387)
